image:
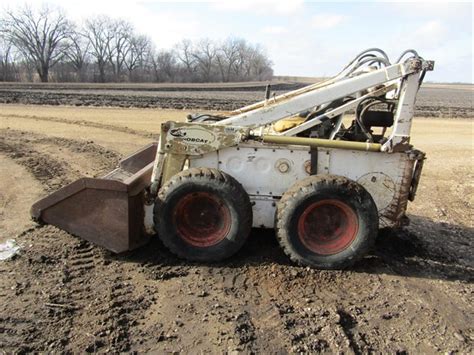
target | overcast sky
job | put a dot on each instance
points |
(304, 38)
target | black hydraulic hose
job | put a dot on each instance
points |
(331, 105)
(422, 76)
(374, 62)
(357, 57)
(361, 124)
(212, 119)
(412, 51)
(381, 52)
(207, 117)
(369, 60)
(368, 55)
(373, 99)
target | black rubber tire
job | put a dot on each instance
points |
(310, 191)
(216, 184)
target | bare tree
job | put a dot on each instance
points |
(120, 46)
(244, 56)
(8, 68)
(139, 47)
(205, 55)
(184, 53)
(78, 53)
(100, 32)
(164, 66)
(41, 36)
(260, 65)
(110, 49)
(227, 56)
(252, 63)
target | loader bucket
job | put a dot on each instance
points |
(108, 211)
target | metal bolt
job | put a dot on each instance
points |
(283, 167)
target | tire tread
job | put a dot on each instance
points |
(302, 188)
(208, 176)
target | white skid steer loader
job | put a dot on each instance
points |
(290, 162)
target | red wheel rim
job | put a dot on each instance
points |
(202, 219)
(327, 227)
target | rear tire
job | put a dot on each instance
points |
(326, 221)
(203, 214)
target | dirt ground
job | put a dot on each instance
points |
(412, 294)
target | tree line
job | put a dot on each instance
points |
(45, 45)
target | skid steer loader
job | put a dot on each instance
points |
(291, 162)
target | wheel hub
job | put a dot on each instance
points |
(202, 219)
(327, 227)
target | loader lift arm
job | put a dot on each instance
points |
(403, 79)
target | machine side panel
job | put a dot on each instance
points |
(266, 172)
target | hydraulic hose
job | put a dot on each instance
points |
(412, 51)
(366, 56)
(369, 60)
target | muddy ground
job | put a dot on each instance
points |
(413, 294)
(434, 100)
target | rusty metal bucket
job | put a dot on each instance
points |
(108, 211)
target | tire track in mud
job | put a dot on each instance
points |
(84, 123)
(290, 308)
(52, 172)
(32, 309)
(107, 299)
(287, 298)
(30, 324)
(256, 308)
(65, 295)
(47, 170)
(61, 266)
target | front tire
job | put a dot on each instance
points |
(203, 214)
(326, 221)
